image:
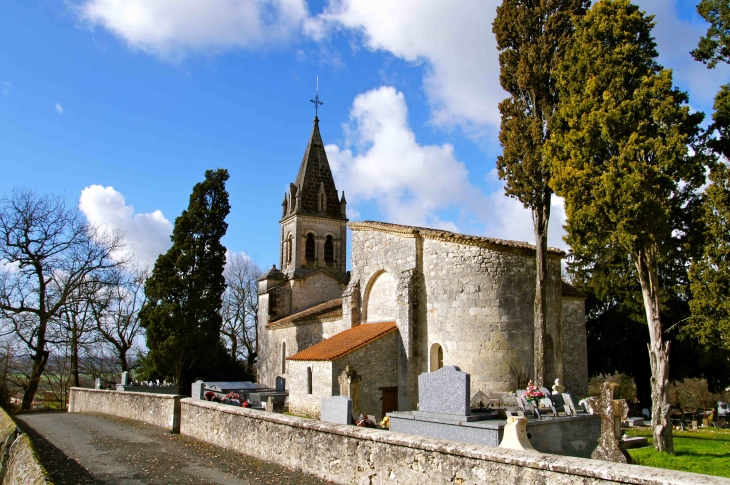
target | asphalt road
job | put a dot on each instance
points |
(90, 448)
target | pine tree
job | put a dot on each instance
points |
(184, 293)
(532, 36)
(621, 162)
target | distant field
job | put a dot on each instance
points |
(703, 451)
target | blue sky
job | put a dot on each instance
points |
(128, 102)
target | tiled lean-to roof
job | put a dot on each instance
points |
(345, 342)
(447, 236)
(328, 309)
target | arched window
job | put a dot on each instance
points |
(283, 357)
(289, 246)
(329, 250)
(309, 380)
(309, 248)
(437, 358)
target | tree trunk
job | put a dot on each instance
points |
(39, 365)
(540, 218)
(75, 357)
(658, 354)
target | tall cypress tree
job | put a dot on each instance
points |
(622, 164)
(184, 293)
(532, 36)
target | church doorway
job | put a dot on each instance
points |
(390, 400)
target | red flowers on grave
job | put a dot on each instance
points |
(209, 395)
(232, 396)
(533, 393)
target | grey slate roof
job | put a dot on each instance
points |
(314, 174)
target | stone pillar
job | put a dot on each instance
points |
(515, 435)
(349, 381)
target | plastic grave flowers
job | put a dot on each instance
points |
(533, 394)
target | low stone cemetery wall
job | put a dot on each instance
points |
(348, 454)
(19, 463)
(158, 409)
(24, 466)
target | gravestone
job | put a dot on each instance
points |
(97, 383)
(198, 390)
(337, 409)
(445, 391)
(349, 381)
(280, 383)
(125, 378)
(608, 446)
(568, 399)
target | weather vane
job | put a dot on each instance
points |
(316, 101)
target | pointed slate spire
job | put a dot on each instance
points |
(315, 176)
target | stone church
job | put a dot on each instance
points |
(416, 299)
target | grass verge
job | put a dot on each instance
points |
(703, 451)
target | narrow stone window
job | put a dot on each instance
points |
(309, 249)
(322, 202)
(289, 246)
(437, 358)
(309, 380)
(329, 250)
(283, 357)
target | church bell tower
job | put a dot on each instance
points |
(313, 218)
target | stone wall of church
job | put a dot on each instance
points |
(575, 351)
(296, 338)
(301, 402)
(314, 289)
(474, 301)
(377, 363)
(479, 308)
(375, 252)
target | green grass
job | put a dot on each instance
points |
(703, 451)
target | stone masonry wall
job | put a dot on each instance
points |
(380, 299)
(372, 253)
(479, 308)
(575, 350)
(297, 338)
(302, 403)
(161, 410)
(317, 288)
(24, 466)
(353, 455)
(377, 363)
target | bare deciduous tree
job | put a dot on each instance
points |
(47, 251)
(240, 308)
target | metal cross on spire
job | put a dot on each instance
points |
(316, 101)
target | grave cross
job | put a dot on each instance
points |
(608, 446)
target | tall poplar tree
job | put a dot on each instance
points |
(184, 293)
(621, 161)
(532, 36)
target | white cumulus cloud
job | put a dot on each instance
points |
(147, 235)
(173, 28)
(59, 109)
(453, 38)
(383, 162)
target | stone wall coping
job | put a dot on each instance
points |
(452, 237)
(130, 393)
(584, 467)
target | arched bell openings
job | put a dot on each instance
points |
(310, 249)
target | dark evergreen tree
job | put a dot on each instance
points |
(532, 36)
(184, 293)
(621, 161)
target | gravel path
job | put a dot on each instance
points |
(90, 448)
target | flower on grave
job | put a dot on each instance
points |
(533, 393)
(209, 395)
(246, 404)
(232, 396)
(385, 422)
